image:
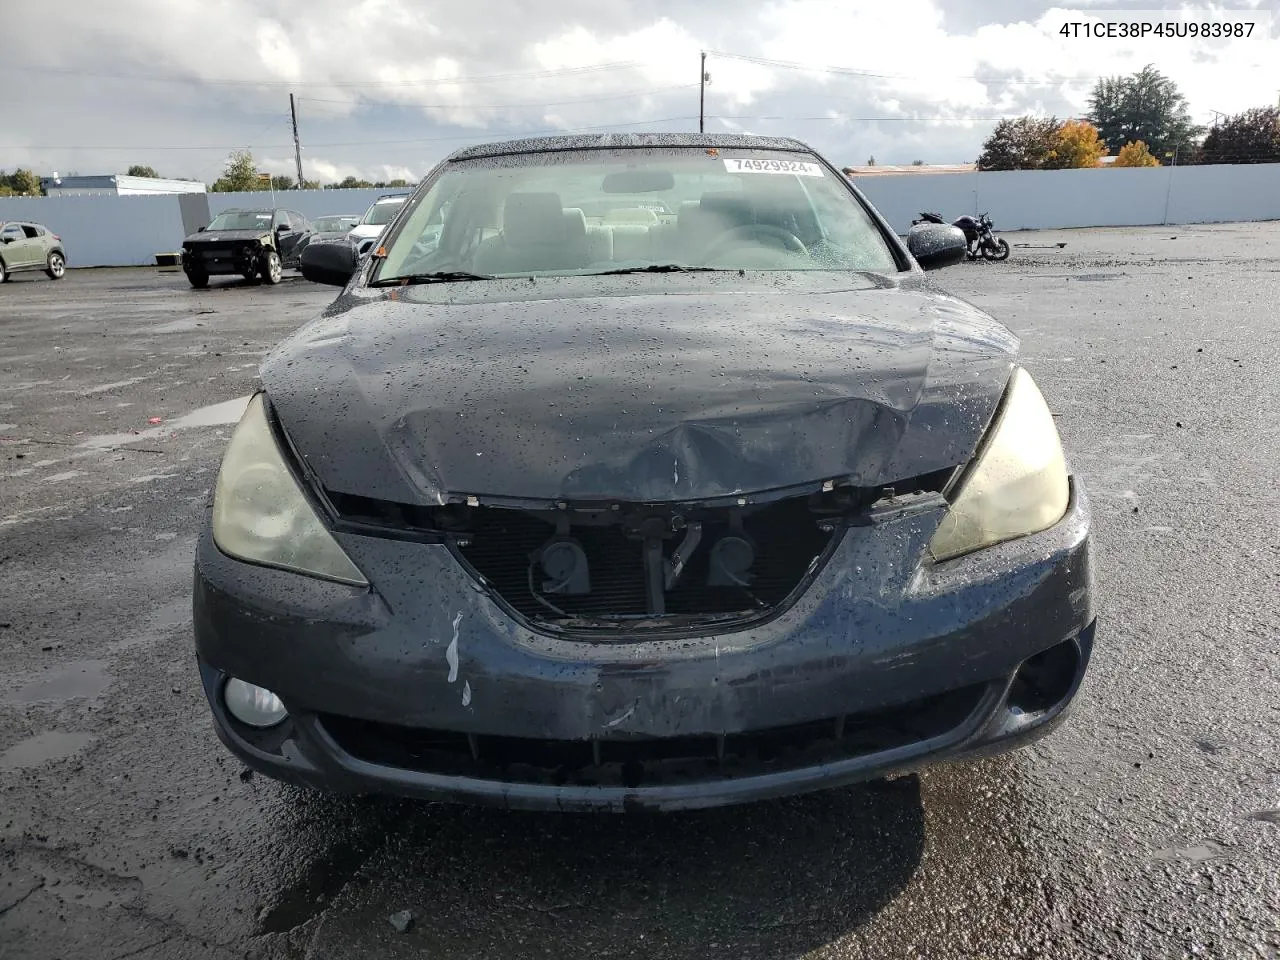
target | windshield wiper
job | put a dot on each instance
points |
(657, 268)
(440, 276)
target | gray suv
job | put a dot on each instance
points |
(30, 246)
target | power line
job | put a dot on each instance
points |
(503, 106)
(867, 74)
(485, 78)
(476, 137)
(867, 119)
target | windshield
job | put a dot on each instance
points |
(597, 211)
(333, 224)
(242, 220)
(380, 213)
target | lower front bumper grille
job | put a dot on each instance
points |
(643, 762)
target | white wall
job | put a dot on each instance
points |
(123, 231)
(309, 203)
(1103, 197)
(105, 231)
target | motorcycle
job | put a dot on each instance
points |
(979, 235)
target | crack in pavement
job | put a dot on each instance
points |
(34, 890)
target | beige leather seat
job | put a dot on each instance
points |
(537, 234)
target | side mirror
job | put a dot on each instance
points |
(202, 229)
(936, 245)
(331, 263)
(282, 228)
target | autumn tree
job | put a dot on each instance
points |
(1021, 144)
(1075, 144)
(1135, 154)
(1145, 106)
(1249, 137)
(142, 170)
(240, 174)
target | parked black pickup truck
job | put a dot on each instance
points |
(255, 244)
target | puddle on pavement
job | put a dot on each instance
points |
(42, 748)
(181, 325)
(84, 679)
(217, 415)
(1197, 853)
(309, 895)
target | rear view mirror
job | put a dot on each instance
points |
(936, 245)
(331, 263)
(638, 181)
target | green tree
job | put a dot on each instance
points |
(917, 163)
(871, 161)
(20, 183)
(397, 183)
(1145, 106)
(239, 174)
(1075, 144)
(1135, 154)
(1249, 137)
(142, 170)
(283, 182)
(1020, 144)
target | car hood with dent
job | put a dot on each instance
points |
(655, 390)
(226, 236)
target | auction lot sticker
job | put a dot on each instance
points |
(797, 167)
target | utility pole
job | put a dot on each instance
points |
(702, 91)
(297, 147)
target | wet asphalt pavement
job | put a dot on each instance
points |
(1147, 826)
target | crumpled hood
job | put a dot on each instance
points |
(222, 236)
(640, 394)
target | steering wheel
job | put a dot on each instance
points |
(752, 233)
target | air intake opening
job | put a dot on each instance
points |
(1045, 680)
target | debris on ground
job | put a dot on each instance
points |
(401, 921)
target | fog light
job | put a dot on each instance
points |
(252, 705)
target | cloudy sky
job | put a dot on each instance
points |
(387, 87)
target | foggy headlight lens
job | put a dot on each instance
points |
(1019, 484)
(261, 515)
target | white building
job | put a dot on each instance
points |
(116, 185)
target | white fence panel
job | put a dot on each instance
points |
(1104, 197)
(1225, 192)
(105, 231)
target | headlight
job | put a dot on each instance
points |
(1019, 484)
(260, 514)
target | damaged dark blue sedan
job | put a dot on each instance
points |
(643, 472)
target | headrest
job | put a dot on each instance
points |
(575, 223)
(533, 218)
(731, 204)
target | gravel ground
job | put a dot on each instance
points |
(1147, 826)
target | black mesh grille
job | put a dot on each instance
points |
(651, 761)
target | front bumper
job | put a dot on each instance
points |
(231, 259)
(424, 686)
